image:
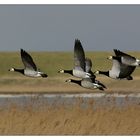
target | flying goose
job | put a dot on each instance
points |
(118, 70)
(89, 83)
(30, 67)
(79, 69)
(125, 58)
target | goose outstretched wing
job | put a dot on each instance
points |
(126, 70)
(122, 54)
(126, 58)
(88, 64)
(79, 56)
(27, 60)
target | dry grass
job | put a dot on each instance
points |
(70, 121)
(51, 62)
(58, 84)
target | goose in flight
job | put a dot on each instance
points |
(125, 58)
(79, 69)
(89, 83)
(30, 68)
(118, 70)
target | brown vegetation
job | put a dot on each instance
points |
(70, 121)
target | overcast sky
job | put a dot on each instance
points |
(55, 27)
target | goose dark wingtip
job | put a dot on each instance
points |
(44, 75)
(21, 50)
(77, 41)
(78, 45)
(104, 86)
(101, 88)
(116, 50)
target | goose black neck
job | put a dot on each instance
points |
(104, 73)
(76, 81)
(117, 58)
(68, 71)
(19, 70)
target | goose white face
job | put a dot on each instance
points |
(61, 71)
(12, 69)
(110, 57)
(137, 60)
(96, 72)
(69, 80)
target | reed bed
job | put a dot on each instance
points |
(61, 120)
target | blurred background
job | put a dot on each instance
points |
(55, 27)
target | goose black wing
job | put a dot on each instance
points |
(120, 53)
(79, 56)
(126, 70)
(121, 69)
(27, 60)
(88, 64)
(125, 58)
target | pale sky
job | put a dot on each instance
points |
(55, 27)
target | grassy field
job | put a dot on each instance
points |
(51, 62)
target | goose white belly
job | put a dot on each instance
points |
(89, 85)
(80, 74)
(114, 75)
(32, 73)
